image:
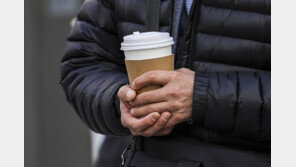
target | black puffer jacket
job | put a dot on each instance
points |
(227, 44)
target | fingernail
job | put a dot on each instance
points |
(155, 116)
(166, 117)
(129, 95)
(132, 111)
(134, 84)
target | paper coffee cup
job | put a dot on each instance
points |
(145, 52)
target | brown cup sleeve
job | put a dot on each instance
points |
(136, 68)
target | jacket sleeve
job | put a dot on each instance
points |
(92, 69)
(237, 103)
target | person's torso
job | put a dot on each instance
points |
(220, 36)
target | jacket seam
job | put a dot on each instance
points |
(236, 103)
(237, 10)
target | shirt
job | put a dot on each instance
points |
(188, 4)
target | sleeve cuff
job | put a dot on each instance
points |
(117, 105)
(117, 101)
(200, 92)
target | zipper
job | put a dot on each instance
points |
(129, 147)
(186, 46)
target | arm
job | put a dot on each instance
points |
(237, 103)
(92, 69)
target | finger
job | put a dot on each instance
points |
(126, 104)
(149, 108)
(151, 77)
(173, 121)
(161, 122)
(126, 93)
(136, 124)
(150, 97)
(125, 114)
(134, 133)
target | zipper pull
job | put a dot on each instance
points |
(123, 156)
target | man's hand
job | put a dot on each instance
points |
(149, 125)
(175, 96)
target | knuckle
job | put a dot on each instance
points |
(160, 125)
(178, 74)
(182, 69)
(149, 108)
(171, 106)
(171, 92)
(146, 98)
(149, 122)
(166, 132)
(134, 112)
(123, 123)
(134, 127)
(175, 105)
(147, 134)
(173, 75)
(134, 133)
(175, 92)
(179, 117)
(179, 91)
(178, 104)
(151, 75)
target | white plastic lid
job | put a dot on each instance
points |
(146, 40)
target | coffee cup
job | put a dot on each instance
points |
(145, 52)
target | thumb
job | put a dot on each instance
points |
(126, 93)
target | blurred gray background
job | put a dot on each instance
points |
(54, 135)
